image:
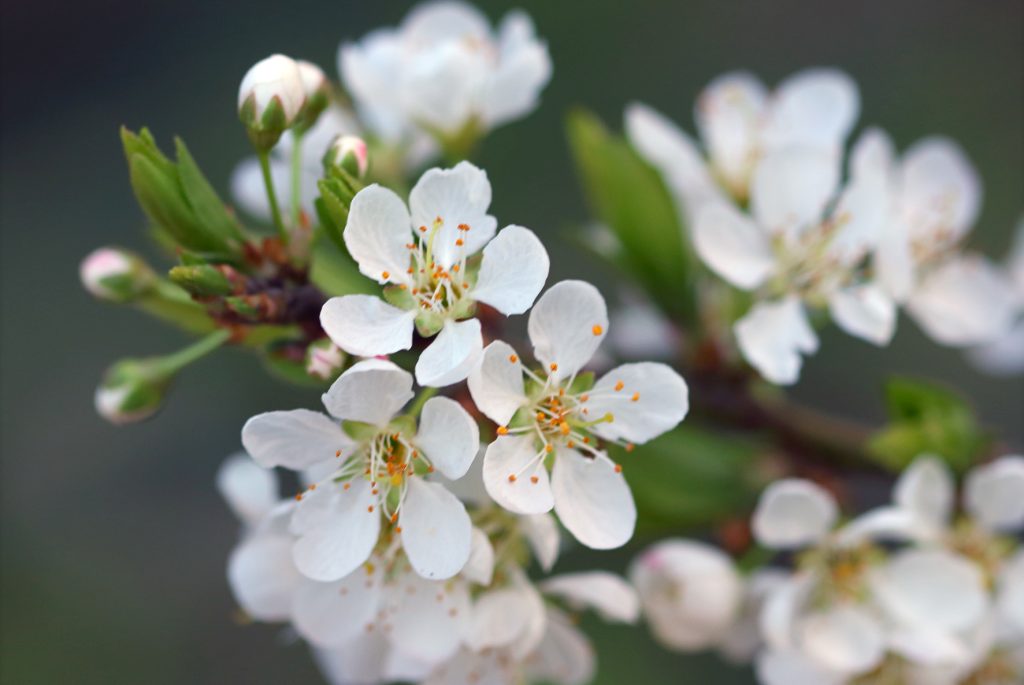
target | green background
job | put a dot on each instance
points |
(114, 540)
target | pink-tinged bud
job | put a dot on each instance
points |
(270, 99)
(324, 360)
(314, 80)
(349, 153)
(115, 275)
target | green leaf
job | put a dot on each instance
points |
(690, 477)
(927, 418)
(335, 273)
(209, 211)
(628, 196)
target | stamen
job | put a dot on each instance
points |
(513, 358)
(553, 367)
(597, 330)
(635, 397)
(502, 430)
(619, 386)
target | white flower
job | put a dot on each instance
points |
(802, 246)
(935, 196)
(548, 418)
(691, 593)
(276, 80)
(247, 187)
(743, 640)
(423, 252)
(1004, 355)
(444, 69)
(358, 481)
(739, 124)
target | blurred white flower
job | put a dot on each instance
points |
(740, 122)
(691, 593)
(1004, 356)
(358, 480)
(444, 70)
(115, 275)
(547, 418)
(423, 252)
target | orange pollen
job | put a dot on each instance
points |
(554, 367)
(298, 497)
(394, 517)
(430, 469)
(534, 479)
(455, 268)
(410, 246)
(370, 508)
(385, 274)
(398, 529)
(549, 448)
(346, 486)
(570, 444)
(465, 284)
(338, 453)
(409, 270)
(630, 447)
(502, 430)
(459, 243)
(584, 398)
(463, 227)
(402, 286)
(586, 439)
(635, 397)
(511, 478)
(312, 486)
(619, 386)
(423, 229)
(512, 358)
(564, 428)
(618, 468)
(597, 330)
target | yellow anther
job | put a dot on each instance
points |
(564, 428)
(502, 430)
(549, 448)
(370, 508)
(619, 386)
(584, 398)
(459, 242)
(385, 275)
(553, 366)
(609, 417)
(511, 478)
(597, 330)
(618, 468)
(513, 358)
(534, 479)
(630, 447)
(635, 397)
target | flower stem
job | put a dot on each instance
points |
(268, 182)
(296, 175)
(421, 399)
(173, 363)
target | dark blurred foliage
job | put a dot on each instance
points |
(114, 540)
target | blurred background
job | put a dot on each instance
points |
(114, 540)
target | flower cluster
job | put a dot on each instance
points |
(771, 212)
(904, 593)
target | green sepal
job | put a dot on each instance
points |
(429, 323)
(399, 297)
(582, 383)
(336, 273)
(201, 279)
(404, 424)
(210, 212)
(359, 431)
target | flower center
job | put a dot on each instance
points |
(436, 288)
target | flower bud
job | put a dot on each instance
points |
(270, 98)
(131, 390)
(115, 275)
(318, 93)
(691, 593)
(348, 153)
(324, 360)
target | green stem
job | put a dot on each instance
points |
(173, 363)
(421, 399)
(169, 302)
(296, 175)
(268, 182)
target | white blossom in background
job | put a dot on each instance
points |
(958, 299)
(444, 70)
(1004, 355)
(355, 482)
(802, 246)
(740, 122)
(422, 253)
(545, 420)
(247, 187)
(690, 591)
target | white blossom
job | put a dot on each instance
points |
(358, 481)
(422, 253)
(1004, 355)
(544, 417)
(276, 79)
(444, 70)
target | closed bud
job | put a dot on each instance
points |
(324, 360)
(132, 390)
(115, 275)
(348, 153)
(318, 94)
(205, 280)
(270, 98)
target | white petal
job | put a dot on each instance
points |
(458, 196)
(541, 533)
(994, 494)
(791, 189)
(691, 592)
(436, 530)
(263, 578)
(296, 439)
(340, 537)
(1011, 591)
(508, 456)
(449, 436)
(844, 638)
(1003, 356)
(361, 660)
(440, 87)
(496, 383)
(940, 193)
(864, 209)
(865, 311)
(592, 499)
(729, 113)
(890, 523)
(966, 301)
(772, 335)
(479, 568)
(564, 656)
(783, 606)
(523, 70)
(816, 107)
(367, 326)
(371, 391)
(793, 513)
(926, 489)
(672, 152)
(250, 490)
(498, 618)
(512, 273)
(566, 326)
(376, 234)
(930, 588)
(429, 619)
(733, 246)
(661, 401)
(452, 354)
(608, 594)
(791, 667)
(331, 614)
